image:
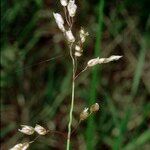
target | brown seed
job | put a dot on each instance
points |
(84, 114)
(94, 108)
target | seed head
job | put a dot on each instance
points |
(70, 36)
(94, 108)
(72, 7)
(59, 20)
(26, 129)
(40, 130)
(84, 114)
(64, 2)
(20, 146)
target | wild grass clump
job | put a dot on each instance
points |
(75, 45)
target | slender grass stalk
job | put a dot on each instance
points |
(72, 99)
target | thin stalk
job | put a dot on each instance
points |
(80, 72)
(72, 99)
(66, 16)
(76, 127)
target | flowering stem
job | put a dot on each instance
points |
(72, 99)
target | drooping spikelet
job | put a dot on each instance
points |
(40, 130)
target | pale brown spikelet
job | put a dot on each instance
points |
(64, 2)
(20, 146)
(40, 130)
(109, 59)
(83, 35)
(78, 51)
(93, 62)
(59, 21)
(98, 60)
(26, 129)
(70, 37)
(72, 7)
(84, 114)
(94, 108)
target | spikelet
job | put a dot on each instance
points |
(109, 59)
(26, 129)
(78, 51)
(64, 2)
(93, 62)
(70, 37)
(72, 7)
(78, 47)
(84, 114)
(59, 21)
(20, 146)
(94, 108)
(98, 60)
(40, 130)
(83, 35)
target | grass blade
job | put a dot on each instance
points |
(95, 80)
(141, 140)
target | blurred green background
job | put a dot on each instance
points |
(36, 74)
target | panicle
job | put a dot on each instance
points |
(40, 130)
(26, 129)
(94, 108)
(84, 114)
(78, 47)
(64, 2)
(59, 20)
(72, 7)
(70, 37)
(20, 146)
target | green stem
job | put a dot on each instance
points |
(72, 99)
(90, 134)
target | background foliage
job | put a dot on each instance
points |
(36, 73)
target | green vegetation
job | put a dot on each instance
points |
(36, 74)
